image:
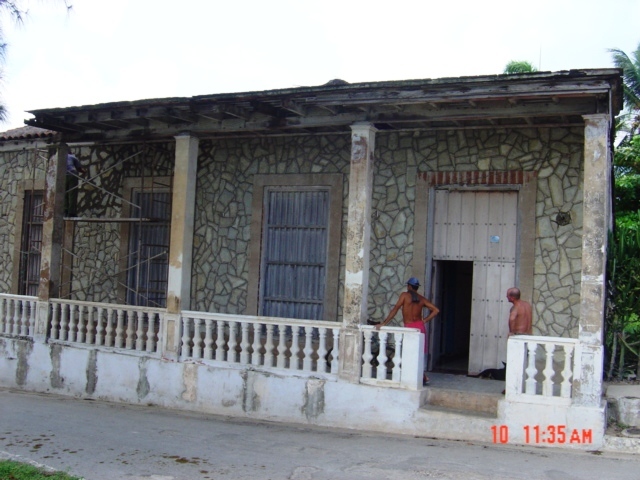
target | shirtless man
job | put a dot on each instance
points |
(520, 316)
(412, 304)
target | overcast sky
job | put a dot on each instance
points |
(107, 51)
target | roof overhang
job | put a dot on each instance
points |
(499, 101)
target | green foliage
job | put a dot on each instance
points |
(627, 184)
(627, 156)
(623, 269)
(623, 305)
(627, 194)
(519, 66)
(10, 470)
(628, 220)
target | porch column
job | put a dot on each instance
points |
(596, 226)
(181, 246)
(52, 234)
(357, 254)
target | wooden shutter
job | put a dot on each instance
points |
(294, 253)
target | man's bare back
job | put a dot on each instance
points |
(520, 315)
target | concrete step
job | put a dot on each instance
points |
(457, 413)
(446, 423)
(486, 403)
(464, 394)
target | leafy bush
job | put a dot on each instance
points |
(623, 307)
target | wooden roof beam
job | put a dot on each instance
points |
(235, 111)
(117, 118)
(332, 109)
(54, 123)
(294, 107)
(181, 115)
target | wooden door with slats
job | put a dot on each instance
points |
(481, 226)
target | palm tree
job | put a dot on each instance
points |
(519, 66)
(631, 89)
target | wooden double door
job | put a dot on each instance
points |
(474, 263)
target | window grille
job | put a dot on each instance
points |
(148, 269)
(31, 248)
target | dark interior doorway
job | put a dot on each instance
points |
(455, 311)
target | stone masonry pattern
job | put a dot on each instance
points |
(226, 169)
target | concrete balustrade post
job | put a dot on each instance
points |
(412, 361)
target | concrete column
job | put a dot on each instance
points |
(596, 226)
(358, 246)
(52, 234)
(181, 246)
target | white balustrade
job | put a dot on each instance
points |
(268, 347)
(541, 369)
(100, 334)
(110, 330)
(208, 339)
(220, 342)
(281, 349)
(335, 351)
(295, 349)
(367, 355)
(17, 315)
(244, 346)
(298, 345)
(392, 357)
(106, 325)
(307, 359)
(64, 321)
(255, 347)
(130, 330)
(400, 349)
(381, 370)
(232, 351)
(397, 370)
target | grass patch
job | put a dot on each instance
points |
(11, 470)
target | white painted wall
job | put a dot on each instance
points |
(265, 394)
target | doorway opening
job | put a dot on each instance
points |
(451, 354)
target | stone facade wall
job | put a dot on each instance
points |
(223, 208)
(555, 153)
(97, 254)
(25, 163)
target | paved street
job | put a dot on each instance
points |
(101, 441)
